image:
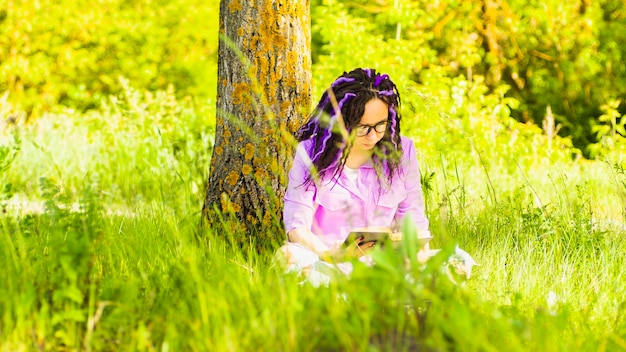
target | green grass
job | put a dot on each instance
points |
(113, 257)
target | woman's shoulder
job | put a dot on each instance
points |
(305, 145)
(407, 143)
(303, 151)
(405, 139)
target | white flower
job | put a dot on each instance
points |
(459, 265)
(551, 299)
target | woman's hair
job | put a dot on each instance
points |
(352, 90)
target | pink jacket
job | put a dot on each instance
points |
(331, 209)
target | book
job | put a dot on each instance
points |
(366, 235)
(379, 235)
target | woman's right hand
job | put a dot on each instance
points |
(308, 239)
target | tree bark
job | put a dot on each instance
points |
(264, 75)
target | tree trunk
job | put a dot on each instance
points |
(264, 75)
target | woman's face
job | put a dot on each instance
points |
(372, 126)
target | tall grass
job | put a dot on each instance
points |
(112, 258)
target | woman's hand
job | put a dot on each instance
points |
(336, 253)
(339, 252)
(361, 248)
(307, 239)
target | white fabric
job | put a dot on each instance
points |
(302, 261)
(351, 174)
(308, 265)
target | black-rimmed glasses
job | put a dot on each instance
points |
(364, 130)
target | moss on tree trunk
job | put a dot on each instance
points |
(264, 75)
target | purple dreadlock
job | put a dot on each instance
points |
(352, 91)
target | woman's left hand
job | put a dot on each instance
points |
(355, 250)
(359, 248)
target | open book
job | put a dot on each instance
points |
(381, 234)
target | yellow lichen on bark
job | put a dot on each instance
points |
(269, 41)
(292, 62)
(246, 169)
(260, 161)
(293, 125)
(260, 173)
(248, 151)
(274, 166)
(219, 150)
(232, 178)
(240, 93)
(272, 18)
(235, 5)
(267, 219)
(228, 206)
(253, 43)
(253, 220)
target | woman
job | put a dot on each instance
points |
(352, 168)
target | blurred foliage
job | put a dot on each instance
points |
(72, 53)
(554, 66)
(565, 57)
(138, 147)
